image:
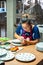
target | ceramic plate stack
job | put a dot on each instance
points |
(25, 57)
(39, 46)
(6, 55)
(16, 42)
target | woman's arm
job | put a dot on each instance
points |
(16, 36)
(33, 41)
(20, 38)
(17, 32)
(36, 36)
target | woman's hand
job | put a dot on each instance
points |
(27, 39)
(23, 41)
(21, 38)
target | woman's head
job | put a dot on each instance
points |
(26, 23)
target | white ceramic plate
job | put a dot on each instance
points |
(17, 44)
(2, 52)
(9, 56)
(39, 46)
(15, 41)
(6, 46)
(25, 57)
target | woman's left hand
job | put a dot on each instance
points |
(23, 42)
(27, 39)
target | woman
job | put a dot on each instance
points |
(27, 32)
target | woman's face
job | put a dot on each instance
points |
(26, 27)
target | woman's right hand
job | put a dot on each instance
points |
(27, 39)
(22, 40)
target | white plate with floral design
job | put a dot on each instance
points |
(2, 52)
(25, 57)
(7, 57)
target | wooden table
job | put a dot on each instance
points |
(31, 49)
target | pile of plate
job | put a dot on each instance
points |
(39, 46)
(6, 55)
(16, 42)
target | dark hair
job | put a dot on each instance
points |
(26, 20)
(29, 22)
